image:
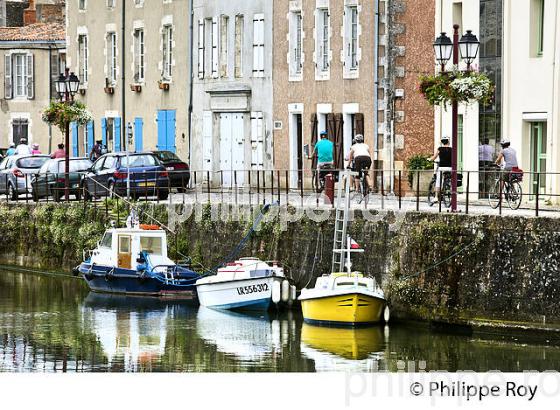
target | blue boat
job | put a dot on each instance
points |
(133, 261)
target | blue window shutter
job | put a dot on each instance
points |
(117, 136)
(138, 134)
(170, 134)
(75, 150)
(104, 131)
(161, 130)
(90, 137)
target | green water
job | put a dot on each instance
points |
(54, 324)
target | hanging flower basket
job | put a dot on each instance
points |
(59, 114)
(462, 87)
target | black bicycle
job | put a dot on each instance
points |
(445, 191)
(364, 189)
(507, 185)
(319, 176)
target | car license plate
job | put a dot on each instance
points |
(147, 184)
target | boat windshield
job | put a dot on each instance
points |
(107, 240)
(151, 245)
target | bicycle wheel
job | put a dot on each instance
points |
(494, 195)
(515, 194)
(446, 192)
(365, 190)
(432, 192)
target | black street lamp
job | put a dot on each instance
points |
(444, 49)
(66, 87)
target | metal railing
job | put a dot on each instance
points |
(398, 189)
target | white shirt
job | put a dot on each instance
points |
(485, 152)
(360, 150)
(23, 149)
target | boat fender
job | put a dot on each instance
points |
(276, 292)
(76, 271)
(386, 314)
(293, 292)
(285, 291)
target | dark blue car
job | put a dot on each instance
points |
(108, 176)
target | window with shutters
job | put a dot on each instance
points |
(82, 4)
(322, 42)
(20, 129)
(296, 44)
(139, 63)
(224, 22)
(257, 141)
(111, 56)
(83, 58)
(201, 48)
(167, 47)
(258, 45)
(239, 23)
(18, 76)
(111, 4)
(351, 52)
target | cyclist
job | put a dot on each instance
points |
(508, 157)
(444, 154)
(324, 149)
(361, 156)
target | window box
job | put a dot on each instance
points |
(82, 90)
(137, 88)
(109, 90)
(163, 85)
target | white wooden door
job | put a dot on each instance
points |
(232, 151)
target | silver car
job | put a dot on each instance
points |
(16, 173)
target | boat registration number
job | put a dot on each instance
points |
(247, 290)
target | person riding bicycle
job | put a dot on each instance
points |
(444, 154)
(508, 157)
(361, 156)
(324, 149)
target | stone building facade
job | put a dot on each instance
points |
(33, 55)
(134, 77)
(232, 88)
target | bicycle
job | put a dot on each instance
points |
(319, 176)
(364, 188)
(445, 191)
(508, 185)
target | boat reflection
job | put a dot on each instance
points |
(247, 336)
(132, 331)
(343, 349)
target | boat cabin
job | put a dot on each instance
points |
(123, 247)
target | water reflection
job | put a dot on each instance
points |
(54, 324)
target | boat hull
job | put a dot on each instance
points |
(346, 309)
(106, 279)
(243, 294)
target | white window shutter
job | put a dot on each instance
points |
(215, 39)
(257, 141)
(200, 48)
(8, 83)
(30, 77)
(258, 44)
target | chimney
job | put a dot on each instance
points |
(30, 14)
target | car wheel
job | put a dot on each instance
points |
(85, 191)
(78, 195)
(35, 196)
(162, 195)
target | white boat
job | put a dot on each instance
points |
(247, 283)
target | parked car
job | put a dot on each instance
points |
(50, 180)
(108, 176)
(16, 173)
(179, 171)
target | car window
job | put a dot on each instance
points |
(110, 163)
(31, 162)
(76, 165)
(53, 166)
(167, 156)
(98, 164)
(4, 163)
(137, 161)
(45, 168)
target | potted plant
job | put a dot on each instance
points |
(136, 88)
(60, 114)
(418, 167)
(457, 86)
(163, 85)
(109, 87)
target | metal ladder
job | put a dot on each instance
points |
(342, 208)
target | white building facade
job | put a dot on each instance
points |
(232, 89)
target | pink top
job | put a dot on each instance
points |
(59, 153)
(35, 152)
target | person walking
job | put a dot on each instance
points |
(59, 153)
(443, 153)
(23, 148)
(11, 150)
(96, 151)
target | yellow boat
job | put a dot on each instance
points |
(343, 299)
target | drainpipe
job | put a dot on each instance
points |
(376, 83)
(191, 28)
(553, 109)
(50, 94)
(123, 86)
